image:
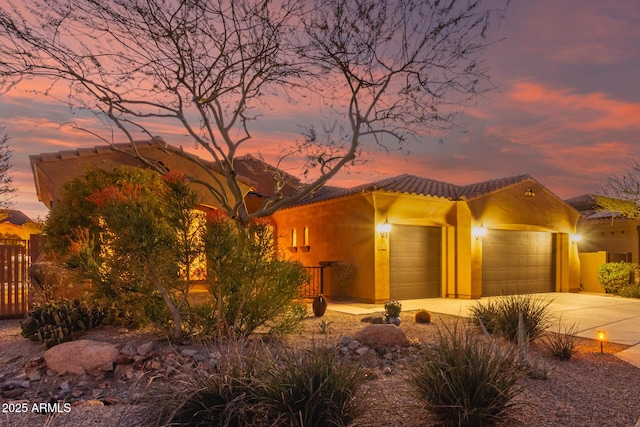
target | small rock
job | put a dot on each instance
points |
(146, 348)
(344, 350)
(36, 362)
(13, 384)
(345, 340)
(353, 345)
(189, 352)
(64, 386)
(199, 357)
(33, 375)
(96, 392)
(110, 400)
(123, 372)
(77, 393)
(128, 351)
(362, 350)
(388, 356)
(123, 359)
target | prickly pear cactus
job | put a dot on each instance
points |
(53, 323)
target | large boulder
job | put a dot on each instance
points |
(381, 336)
(80, 357)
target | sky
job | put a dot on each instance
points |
(566, 110)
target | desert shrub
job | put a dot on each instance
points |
(500, 315)
(49, 281)
(562, 342)
(53, 323)
(614, 276)
(223, 397)
(312, 388)
(465, 379)
(422, 316)
(250, 284)
(252, 384)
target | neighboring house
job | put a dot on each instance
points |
(490, 238)
(52, 170)
(606, 237)
(15, 224)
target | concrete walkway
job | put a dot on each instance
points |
(618, 317)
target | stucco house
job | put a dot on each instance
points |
(490, 238)
(606, 237)
(52, 170)
(458, 241)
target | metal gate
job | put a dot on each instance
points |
(14, 277)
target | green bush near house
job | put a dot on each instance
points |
(620, 278)
(500, 315)
(465, 379)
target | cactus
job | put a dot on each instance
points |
(56, 322)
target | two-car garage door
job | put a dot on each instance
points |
(512, 262)
(517, 262)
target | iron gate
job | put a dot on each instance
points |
(14, 277)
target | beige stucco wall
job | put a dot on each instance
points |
(590, 263)
(618, 237)
(339, 230)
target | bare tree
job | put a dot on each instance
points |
(391, 70)
(622, 193)
(7, 189)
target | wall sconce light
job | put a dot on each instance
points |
(479, 232)
(575, 238)
(384, 229)
(601, 336)
(529, 192)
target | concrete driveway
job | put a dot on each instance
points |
(618, 317)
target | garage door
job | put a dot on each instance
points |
(414, 262)
(517, 262)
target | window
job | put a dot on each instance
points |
(294, 238)
(305, 238)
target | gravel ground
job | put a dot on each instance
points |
(589, 390)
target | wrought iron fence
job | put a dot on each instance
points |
(14, 277)
(315, 285)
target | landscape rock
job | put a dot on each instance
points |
(381, 336)
(80, 357)
(146, 348)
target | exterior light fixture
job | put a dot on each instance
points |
(384, 229)
(529, 192)
(479, 232)
(601, 336)
(575, 238)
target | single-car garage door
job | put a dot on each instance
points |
(517, 262)
(415, 262)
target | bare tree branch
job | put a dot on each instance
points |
(392, 70)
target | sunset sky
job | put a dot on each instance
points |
(566, 110)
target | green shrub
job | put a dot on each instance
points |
(249, 283)
(312, 388)
(465, 379)
(613, 276)
(500, 315)
(53, 323)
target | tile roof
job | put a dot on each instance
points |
(15, 217)
(410, 184)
